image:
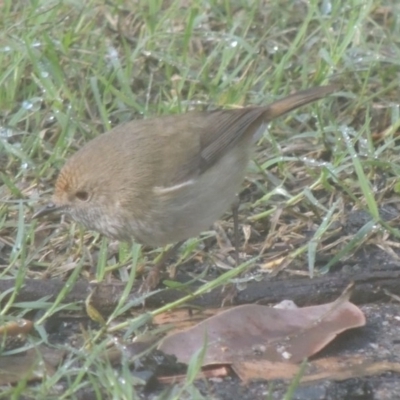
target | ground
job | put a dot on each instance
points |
(320, 199)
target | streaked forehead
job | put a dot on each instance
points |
(65, 180)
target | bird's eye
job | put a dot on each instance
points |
(82, 195)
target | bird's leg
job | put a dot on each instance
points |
(235, 214)
(153, 277)
(230, 289)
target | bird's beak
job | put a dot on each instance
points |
(47, 209)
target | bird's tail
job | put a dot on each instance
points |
(297, 99)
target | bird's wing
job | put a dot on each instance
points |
(225, 129)
(201, 139)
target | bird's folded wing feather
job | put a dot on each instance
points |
(203, 139)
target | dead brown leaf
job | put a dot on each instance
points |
(331, 368)
(31, 365)
(253, 332)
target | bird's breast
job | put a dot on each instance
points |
(184, 210)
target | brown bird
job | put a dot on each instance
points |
(165, 179)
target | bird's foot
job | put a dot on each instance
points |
(152, 280)
(230, 295)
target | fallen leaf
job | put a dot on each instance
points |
(31, 365)
(254, 331)
(330, 368)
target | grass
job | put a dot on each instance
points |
(71, 70)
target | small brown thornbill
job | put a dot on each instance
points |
(166, 179)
